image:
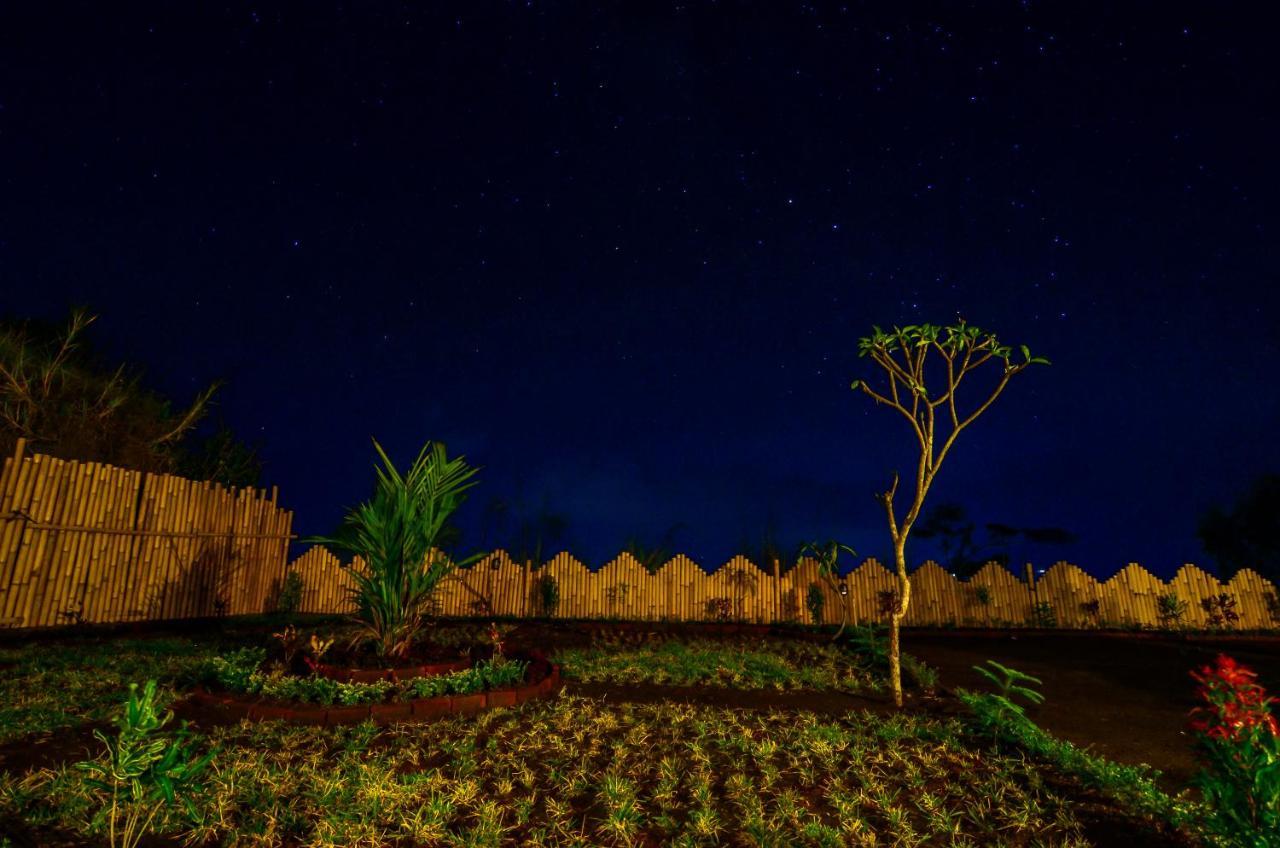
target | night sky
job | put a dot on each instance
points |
(620, 255)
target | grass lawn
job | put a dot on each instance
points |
(573, 770)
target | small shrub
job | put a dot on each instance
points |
(719, 609)
(290, 597)
(1042, 615)
(1221, 609)
(815, 601)
(1092, 609)
(1170, 609)
(290, 644)
(887, 601)
(998, 708)
(548, 595)
(145, 770)
(982, 594)
(1272, 600)
(1238, 746)
(232, 671)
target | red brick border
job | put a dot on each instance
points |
(419, 709)
(373, 675)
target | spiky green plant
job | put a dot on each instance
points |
(1009, 683)
(396, 533)
(144, 770)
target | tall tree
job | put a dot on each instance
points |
(1249, 535)
(902, 355)
(66, 402)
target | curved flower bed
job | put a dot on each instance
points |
(373, 675)
(239, 685)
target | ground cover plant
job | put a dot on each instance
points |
(595, 768)
(584, 772)
(44, 687)
(746, 663)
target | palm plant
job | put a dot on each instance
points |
(396, 533)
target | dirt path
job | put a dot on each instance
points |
(1128, 699)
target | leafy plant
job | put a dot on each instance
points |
(1237, 742)
(1221, 609)
(396, 533)
(827, 554)
(290, 597)
(548, 594)
(317, 647)
(719, 609)
(231, 671)
(1009, 682)
(982, 594)
(1043, 615)
(1170, 609)
(815, 601)
(290, 643)
(144, 769)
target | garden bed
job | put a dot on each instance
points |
(597, 764)
(235, 706)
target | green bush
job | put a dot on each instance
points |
(290, 597)
(548, 594)
(815, 601)
(1170, 609)
(1043, 615)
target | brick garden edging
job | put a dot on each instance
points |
(373, 675)
(419, 709)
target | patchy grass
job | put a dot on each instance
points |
(585, 772)
(754, 664)
(45, 687)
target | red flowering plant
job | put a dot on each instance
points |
(1238, 745)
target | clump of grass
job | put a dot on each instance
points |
(52, 686)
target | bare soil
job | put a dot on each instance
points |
(1127, 699)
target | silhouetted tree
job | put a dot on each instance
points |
(653, 557)
(962, 555)
(223, 458)
(67, 402)
(1249, 535)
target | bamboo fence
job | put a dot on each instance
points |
(741, 591)
(87, 542)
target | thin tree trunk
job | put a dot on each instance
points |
(895, 620)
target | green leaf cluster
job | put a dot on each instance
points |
(396, 533)
(144, 769)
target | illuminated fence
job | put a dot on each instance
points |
(681, 591)
(87, 542)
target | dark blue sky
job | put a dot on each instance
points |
(620, 255)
